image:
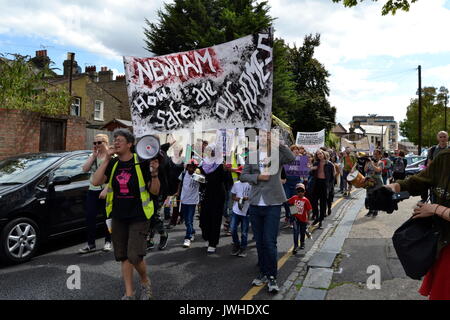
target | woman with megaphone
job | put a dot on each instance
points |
(133, 189)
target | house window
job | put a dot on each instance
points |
(75, 108)
(98, 110)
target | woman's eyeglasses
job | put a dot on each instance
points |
(97, 143)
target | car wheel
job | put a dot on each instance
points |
(19, 240)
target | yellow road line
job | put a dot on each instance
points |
(255, 290)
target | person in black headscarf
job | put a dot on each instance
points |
(213, 199)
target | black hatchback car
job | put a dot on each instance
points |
(42, 196)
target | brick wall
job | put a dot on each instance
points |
(20, 132)
(75, 133)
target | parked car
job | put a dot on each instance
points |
(413, 159)
(416, 167)
(42, 196)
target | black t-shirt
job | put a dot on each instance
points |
(127, 199)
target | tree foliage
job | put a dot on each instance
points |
(300, 87)
(194, 24)
(23, 87)
(311, 85)
(391, 6)
(433, 107)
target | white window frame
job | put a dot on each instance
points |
(100, 117)
(76, 103)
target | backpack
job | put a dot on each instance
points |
(399, 166)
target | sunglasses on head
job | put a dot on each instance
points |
(97, 143)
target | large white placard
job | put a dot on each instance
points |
(227, 86)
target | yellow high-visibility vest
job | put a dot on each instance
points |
(147, 203)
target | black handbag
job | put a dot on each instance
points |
(416, 244)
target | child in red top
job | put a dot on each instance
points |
(300, 218)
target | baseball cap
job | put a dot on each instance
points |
(300, 185)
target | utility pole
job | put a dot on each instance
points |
(72, 58)
(445, 113)
(419, 147)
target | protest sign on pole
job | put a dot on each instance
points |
(298, 167)
(226, 86)
(311, 140)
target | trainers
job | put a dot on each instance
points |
(150, 244)
(192, 238)
(107, 247)
(302, 246)
(242, 253)
(86, 249)
(294, 251)
(125, 297)
(146, 291)
(235, 249)
(187, 243)
(211, 249)
(273, 287)
(163, 241)
(260, 280)
(368, 214)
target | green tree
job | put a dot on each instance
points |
(284, 97)
(432, 116)
(391, 6)
(23, 87)
(193, 24)
(311, 83)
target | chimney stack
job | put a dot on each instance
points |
(41, 53)
(66, 65)
(105, 75)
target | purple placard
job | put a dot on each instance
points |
(298, 168)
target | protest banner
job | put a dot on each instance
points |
(311, 140)
(298, 167)
(226, 86)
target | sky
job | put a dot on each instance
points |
(372, 59)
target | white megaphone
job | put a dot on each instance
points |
(148, 147)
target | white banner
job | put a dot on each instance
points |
(227, 86)
(311, 140)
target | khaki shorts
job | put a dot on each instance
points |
(129, 240)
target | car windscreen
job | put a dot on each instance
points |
(23, 169)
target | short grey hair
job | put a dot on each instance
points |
(442, 132)
(124, 133)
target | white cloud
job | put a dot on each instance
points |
(108, 27)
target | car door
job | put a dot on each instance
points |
(67, 201)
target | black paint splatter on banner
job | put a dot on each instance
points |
(227, 86)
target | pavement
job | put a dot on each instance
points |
(353, 258)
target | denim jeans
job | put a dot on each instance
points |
(94, 206)
(265, 223)
(188, 211)
(299, 228)
(237, 219)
